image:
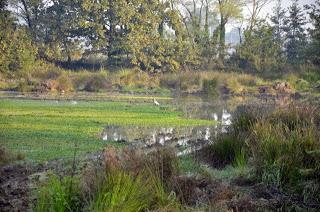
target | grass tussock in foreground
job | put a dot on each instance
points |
(286, 151)
(283, 149)
(7, 156)
(128, 181)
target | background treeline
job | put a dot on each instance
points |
(157, 36)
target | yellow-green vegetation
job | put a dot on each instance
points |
(212, 82)
(47, 78)
(129, 181)
(8, 156)
(45, 130)
(283, 148)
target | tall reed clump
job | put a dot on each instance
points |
(226, 149)
(136, 181)
(286, 149)
(123, 192)
(231, 148)
(129, 180)
(59, 196)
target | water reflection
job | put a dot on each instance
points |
(183, 139)
(187, 139)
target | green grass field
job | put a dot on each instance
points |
(45, 130)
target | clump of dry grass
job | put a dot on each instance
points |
(6, 156)
(212, 82)
(162, 162)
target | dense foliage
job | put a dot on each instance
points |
(156, 36)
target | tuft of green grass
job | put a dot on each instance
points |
(224, 150)
(122, 192)
(240, 159)
(59, 195)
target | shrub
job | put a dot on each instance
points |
(244, 117)
(247, 80)
(210, 87)
(170, 81)
(162, 162)
(240, 159)
(95, 83)
(135, 79)
(223, 150)
(302, 85)
(24, 86)
(64, 83)
(136, 181)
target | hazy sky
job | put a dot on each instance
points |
(268, 9)
(285, 4)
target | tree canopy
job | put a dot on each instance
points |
(156, 36)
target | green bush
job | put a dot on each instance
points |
(190, 82)
(25, 86)
(95, 83)
(64, 83)
(302, 85)
(225, 150)
(210, 87)
(240, 158)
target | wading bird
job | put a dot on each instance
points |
(156, 102)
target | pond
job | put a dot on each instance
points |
(188, 139)
(49, 128)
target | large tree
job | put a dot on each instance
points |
(149, 34)
(17, 52)
(259, 51)
(255, 8)
(314, 47)
(295, 34)
(200, 19)
(228, 10)
(277, 21)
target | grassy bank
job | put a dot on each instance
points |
(282, 149)
(52, 79)
(45, 130)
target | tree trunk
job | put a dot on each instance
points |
(222, 37)
(27, 13)
(206, 25)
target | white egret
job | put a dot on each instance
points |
(156, 102)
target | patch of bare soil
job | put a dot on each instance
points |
(224, 196)
(14, 188)
(18, 181)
